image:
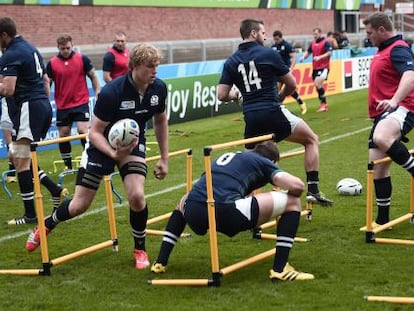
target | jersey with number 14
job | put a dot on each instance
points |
(23, 60)
(255, 69)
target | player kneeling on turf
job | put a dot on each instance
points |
(235, 175)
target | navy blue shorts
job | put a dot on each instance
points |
(66, 117)
(229, 220)
(31, 119)
(278, 120)
(100, 164)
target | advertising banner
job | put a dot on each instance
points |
(356, 73)
(191, 98)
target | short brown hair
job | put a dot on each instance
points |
(63, 39)
(379, 19)
(268, 149)
(8, 26)
(248, 25)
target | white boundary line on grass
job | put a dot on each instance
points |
(101, 209)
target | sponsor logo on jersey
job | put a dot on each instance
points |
(127, 104)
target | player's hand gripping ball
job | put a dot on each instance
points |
(349, 186)
(124, 131)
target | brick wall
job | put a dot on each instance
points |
(97, 25)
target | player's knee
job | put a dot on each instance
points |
(280, 200)
(136, 201)
(19, 151)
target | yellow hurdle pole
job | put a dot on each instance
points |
(388, 159)
(60, 140)
(39, 209)
(369, 199)
(161, 233)
(248, 261)
(211, 214)
(292, 154)
(391, 223)
(394, 241)
(401, 300)
(82, 252)
(171, 154)
(24, 272)
(181, 282)
(268, 224)
(189, 178)
(189, 175)
(268, 236)
(158, 218)
(242, 142)
(111, 212)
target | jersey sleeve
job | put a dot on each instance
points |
(402, 59)
(162, 97)
(9, 66)
(49, 70)
(107, 103)
(328, 46)
(225, 75)
(87, 64)
(108, 61)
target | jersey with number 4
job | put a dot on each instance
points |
(23, 60)
(235, 175)
(255, 69)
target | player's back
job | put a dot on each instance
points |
(235, 175)
(254, 69)
(23, 60)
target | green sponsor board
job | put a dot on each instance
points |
(195, 97)
(322, 4)
(348, 4)
(304, 4)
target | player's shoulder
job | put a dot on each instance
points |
(159, 84)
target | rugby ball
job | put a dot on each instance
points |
(124, 131)
(349, 186)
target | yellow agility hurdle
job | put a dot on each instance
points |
(215, 267)
(47, 263)
(189, 181)
(400, 300)
(370, 231)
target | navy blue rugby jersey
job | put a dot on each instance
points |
(23, 60)
(235, 175)
(285, 49)
(255, 69)
(119, 99)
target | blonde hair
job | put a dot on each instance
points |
(144, 53)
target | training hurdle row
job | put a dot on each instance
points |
(370, 231)
(47, 263)
(217, 272)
